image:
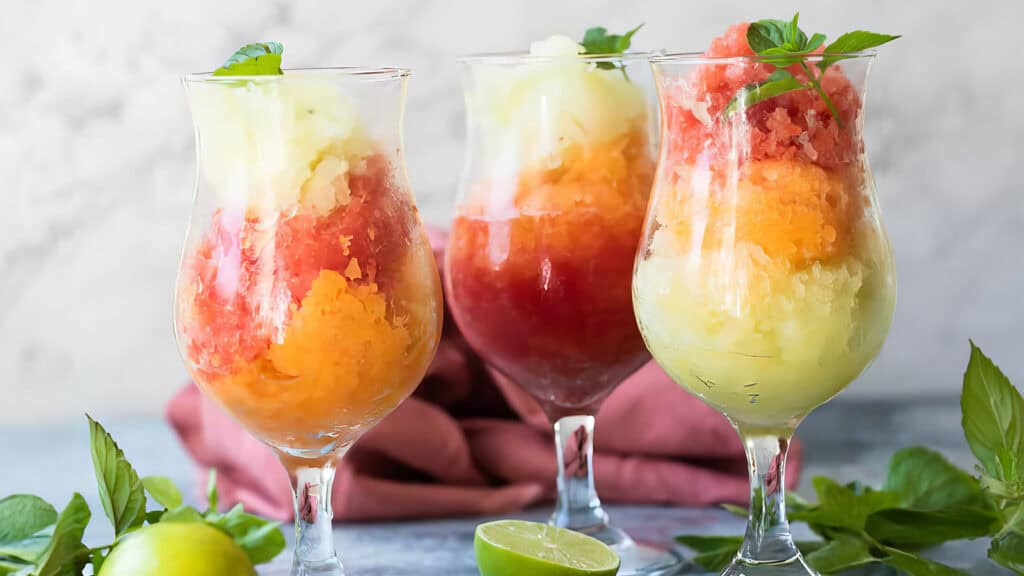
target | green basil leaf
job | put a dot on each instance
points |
(211, 490)
(858, 41)
(841, 554)
(13, 567)
(261, 59)
(184, 514)
(778, 83)
(795, 37)
(814, 43)
(27, 549)
(716, 552)
(120, 489)
(917, 566)
(66, 555)
(713, 552)
(993, 418)
(163, 491)
(852, 42)
(925, 480)
(1008, 551)
(22, 516)
(844, 507)
(920, 528)
(261, 539)
(737, 510)
(765, 34)
(597, 40)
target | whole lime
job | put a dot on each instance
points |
(177, 549)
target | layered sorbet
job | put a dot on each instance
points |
(766, 282)
(542, 248)
(309, 305)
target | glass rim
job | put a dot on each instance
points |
(362, 73)
(524, 57)
(702, 58)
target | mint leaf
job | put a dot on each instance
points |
(261, 539)
(852, 42)
(26, 550)
(163, 491)
(1008, 551)
(925, 480)
(713, 552)
(738, 510)
(22, 516)
(814, 43)
(917, 566)
(845, 506)
(66, 555)
(183, 514)
(120, 489)
(778, 83)
(920, 528)
(597, 40)
(13, 567)
(993, 418)
(843, 553)
(716, 552)
(795, 37)
(858, 41)
(211, 490)
(765, 34)
(260, 59)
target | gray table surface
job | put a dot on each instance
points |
(847, 440)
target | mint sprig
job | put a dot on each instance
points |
(121, 491)
(597, 41)
(36, 541)
(783, 44)
(925, 500)
(261, 59)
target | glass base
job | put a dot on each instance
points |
(638, 559)
(331, 567)
(795, 566)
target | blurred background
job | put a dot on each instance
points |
(97, 167)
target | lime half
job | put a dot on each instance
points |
(518, 548)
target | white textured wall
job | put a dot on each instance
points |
(96, 164)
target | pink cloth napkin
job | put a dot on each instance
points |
(469, 442)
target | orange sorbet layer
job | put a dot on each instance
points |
(309, 328)
(544, 293)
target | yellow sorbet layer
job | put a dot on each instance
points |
(767, 295)
(262, 142)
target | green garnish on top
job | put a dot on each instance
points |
(783, 43)
(262, 59)
(597, 41)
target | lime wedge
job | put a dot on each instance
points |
(518, 548)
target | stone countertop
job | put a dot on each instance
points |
(846, 440)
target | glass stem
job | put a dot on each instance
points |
(314, 535)
(768, 538)
(578, 506)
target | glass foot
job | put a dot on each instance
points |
(795, 566)
(330, 567)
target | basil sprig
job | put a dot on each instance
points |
(597, 41)
(784, 44)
